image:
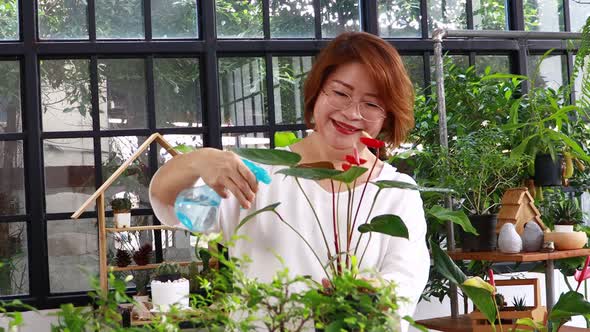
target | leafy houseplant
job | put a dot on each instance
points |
(122, 211)
(566, 214)
(169, 287)
(479, 170)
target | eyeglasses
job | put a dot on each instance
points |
(368, 111)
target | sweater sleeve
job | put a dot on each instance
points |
(407, 261)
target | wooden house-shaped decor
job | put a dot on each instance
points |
(99, 198)
(518, 208)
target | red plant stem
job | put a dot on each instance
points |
(363, 195)
(335, 227)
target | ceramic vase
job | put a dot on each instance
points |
(509, 241)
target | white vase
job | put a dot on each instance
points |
(564, 228)
(509, 241)
(122, 220)
(165, 294)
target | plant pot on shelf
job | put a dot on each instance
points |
(567, 240)
(486, 228)
(122, 219)
(548, 171)
(564, 228)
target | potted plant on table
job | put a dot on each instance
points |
(565, 214)
(122, 212)
(479, 170)
(169, 288)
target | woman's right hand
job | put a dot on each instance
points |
(224, 170)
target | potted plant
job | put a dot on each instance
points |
(565, 214)
(122, 212)
(122, 258)
(143, 254)
(479, 170)
(169, 287)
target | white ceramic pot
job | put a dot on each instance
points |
(165, 294)
(564, 228)
(122, 220)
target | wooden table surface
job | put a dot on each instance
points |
(496, 256)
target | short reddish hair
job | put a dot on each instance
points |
(385, 67)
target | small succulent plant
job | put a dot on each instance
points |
(121, 204)
(143, 254)
(519, 303)
(566, 212)
(167, 272)
(122, 258)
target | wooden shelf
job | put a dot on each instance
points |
(147, 266)
(496, 256)
(142, 228)
(462, 323)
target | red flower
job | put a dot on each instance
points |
(345, 167)
(582, 274)
(353, 161)
(372, 143)
(491, 276)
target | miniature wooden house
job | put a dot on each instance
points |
(99, 198)
(518, 208)
(509, 315)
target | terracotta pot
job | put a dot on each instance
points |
(567, 240)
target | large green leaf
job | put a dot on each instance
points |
(571, 143)
(530, 323)
(483, 301)
(249, 217)
(384, 184)
(456, 217)
(388, 224)
(570, 304)
(309, 173)
(270, 157)
(445, 265)
(349, 175)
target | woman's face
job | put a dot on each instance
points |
(341, 127)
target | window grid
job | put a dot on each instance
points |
(208, 49)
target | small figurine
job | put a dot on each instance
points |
(548, 246)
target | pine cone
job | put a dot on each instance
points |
(143, 254)
(123, 258)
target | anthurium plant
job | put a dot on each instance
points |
(339, 253)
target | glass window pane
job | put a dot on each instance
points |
(12, 190)
(239, 18)
(497, 63)
(446, 14)
(177, 93)
(9, 20)
(176, 246)
(65, 95)
(399, 18)
(415, 68)
(289, 74)
(579, 13)
(543, 15)
(10, 100)
(119, 19)
(182, 143)
(136, 179)
(461, 61)
(63, 19)
(14, 258)
(72, 248)
(292, 19)
(174, 19)
(122, 93)
(243, 100)
(69, 173)
(489, 15)
(248, 140)
(552, 71)
(339, 16)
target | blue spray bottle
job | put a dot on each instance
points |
(197, 208)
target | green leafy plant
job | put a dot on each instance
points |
(167, 272)
(566, 212)
(121, 204)
(519, 303)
